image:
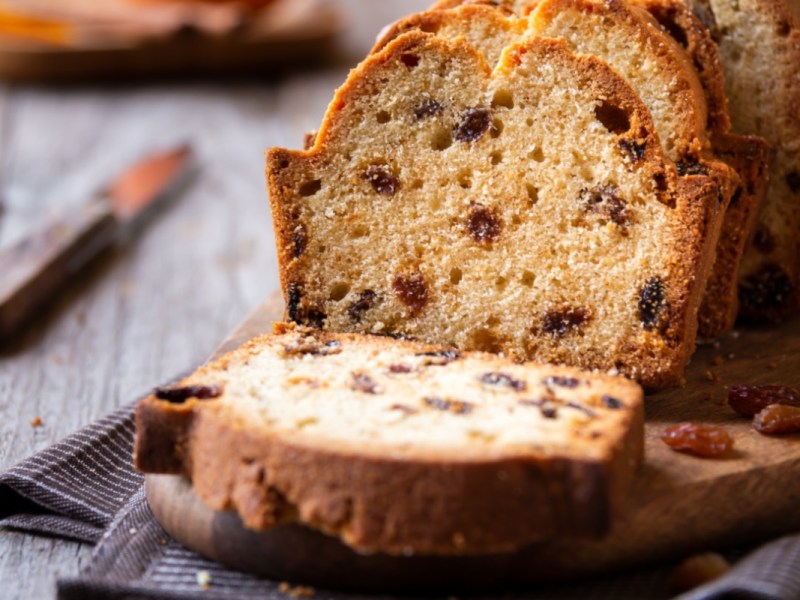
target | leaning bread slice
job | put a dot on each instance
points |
(628, 38)
(759, 46)
(527, 211)
(398, 447)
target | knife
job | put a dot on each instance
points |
(35, 269)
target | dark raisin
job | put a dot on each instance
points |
(294, 294)
(707, 441)
(769, 289)
(429, 108)
(365, 301)
(737, 195)
(784, 28)
(778, 419)
(504, 380)
(439, 358)
(179, 395)
(483, 224)
(309, 345)
(584, 409)
(763, 240)
(457, 407)
(605, 199)
(300, 241)
(398, 368)
(409, 60)
(382, 180)
(412, 290)
(315, 318)
(632, 149)
(612, 403)
(546, 406)
(748, 400)
(793, 181)
(565, 382)
(689, 166)
(612, 117)
(653, 304)
(474, 124)
(559, 323)
(364, 383)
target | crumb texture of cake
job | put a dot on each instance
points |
(529, 211)
(759, 47)
(661, 72)
(398, 447)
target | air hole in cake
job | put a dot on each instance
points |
(427, 109)
(359, 231)
(456, 275)
(558, 323)
(536, 154)
(503, 99)
(284, 164)
(339, 291)
(410, 60)
(464, 178)
(528, 278)
(383, 117)
(417, 184)
(382, 179)
(493, 321)
(475, 122)
(667, 21)
(412, 290)
(496, 157)
(441, 140)
(533, 193)
(500, 283)
(612, 117)
(516, 219)
(529, 122)
(497, 128)
(483, 224)
(485, 340)
(784, 28)
(309, 188)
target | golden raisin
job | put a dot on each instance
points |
(706, 441)
(778, 419)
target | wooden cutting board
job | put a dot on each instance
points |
(679, 504)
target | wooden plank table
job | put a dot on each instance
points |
(160, 306)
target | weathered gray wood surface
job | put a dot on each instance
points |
(160, 306)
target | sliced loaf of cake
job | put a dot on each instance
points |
(759, 46)
(527, 211)
(398, 447)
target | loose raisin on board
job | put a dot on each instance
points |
(706, 441)
(179, 395)
(778, 419)
(698, 570)
(475, 124)
(749, 400)
(504, 380)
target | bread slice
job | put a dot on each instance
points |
(633, 43)
(749, 155)
(759, 46)
(527, 211)
(398, 447)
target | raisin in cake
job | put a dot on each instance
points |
(759, 46)
(667, 84)
(398, 447)
(527, 211)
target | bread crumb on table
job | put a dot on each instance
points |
(204, 579)
(37, 422)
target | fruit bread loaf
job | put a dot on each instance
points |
(527, 211)
(398, 447)
(659, 71)
(749, 155)
(759, 46)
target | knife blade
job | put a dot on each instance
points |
(35, 269)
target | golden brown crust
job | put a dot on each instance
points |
(376, 501)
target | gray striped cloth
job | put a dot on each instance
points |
(85, 489)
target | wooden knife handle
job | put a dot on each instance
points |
(38, 267)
